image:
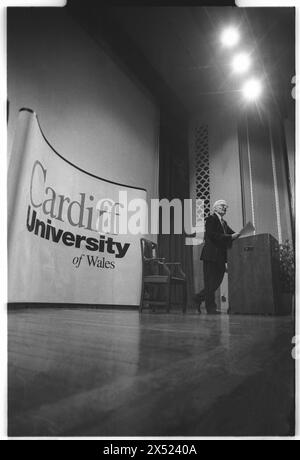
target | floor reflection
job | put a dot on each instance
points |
(121, 373)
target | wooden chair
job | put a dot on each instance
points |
(156, 274)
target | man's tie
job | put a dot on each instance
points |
(223, 225)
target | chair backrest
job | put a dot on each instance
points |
(149, 251)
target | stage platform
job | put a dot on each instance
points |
(87, 372)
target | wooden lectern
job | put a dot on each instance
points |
(254, 277)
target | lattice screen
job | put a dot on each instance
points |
(201, 155)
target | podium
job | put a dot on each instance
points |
(254, 276)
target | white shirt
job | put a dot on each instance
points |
(221, 220)
(220, 217)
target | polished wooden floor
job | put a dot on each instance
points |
(118, 373)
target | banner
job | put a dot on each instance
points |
(67, 242)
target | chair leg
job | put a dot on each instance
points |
(168, 297)
(184, 297)
(142, 297)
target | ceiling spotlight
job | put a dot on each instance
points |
(241, 63)
(230, 37)
(252, 89)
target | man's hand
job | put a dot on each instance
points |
(235, 236)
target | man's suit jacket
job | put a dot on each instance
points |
(217, 239)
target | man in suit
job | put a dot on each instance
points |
(218, 237)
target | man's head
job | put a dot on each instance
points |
(220, 207)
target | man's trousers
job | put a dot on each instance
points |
(213, 277)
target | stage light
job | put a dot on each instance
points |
(241, 63)
(230, 37)
(252, 89)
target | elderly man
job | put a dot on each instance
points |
(218, 237)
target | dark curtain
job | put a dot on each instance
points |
(174, 183)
